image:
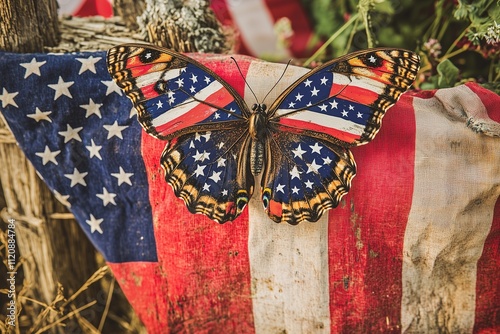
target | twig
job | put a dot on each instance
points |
(331, 39)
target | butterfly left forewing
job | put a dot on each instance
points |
(202, 119)
(173, 94)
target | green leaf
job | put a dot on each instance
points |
(448, 74)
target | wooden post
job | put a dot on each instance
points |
(129, 10)
(184, 26)
(28, 25)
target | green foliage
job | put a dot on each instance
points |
(447, 74)
(457, 40)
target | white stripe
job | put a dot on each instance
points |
(263, 75)
(454, 195)
(70, 7)
(256, 26)
(325, 120)
(150, 78)
(361, 82)
(289, 274)
(187, 105)
(288, 264)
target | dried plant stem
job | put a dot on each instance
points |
(108, 303)
(78, 310)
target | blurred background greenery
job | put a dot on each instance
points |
(458, 40)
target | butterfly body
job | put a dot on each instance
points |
(257, 129)
(299, 146)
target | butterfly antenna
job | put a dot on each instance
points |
(246, 83)
(279, 79)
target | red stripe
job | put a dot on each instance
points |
(366, 245)
(137, 67)
(198, 113)
(143, 285)
(487, 317)
(149, 91)
(204, 266)
(489, 99)
(303, 125)
(94, 7)
(226, 68)
(353, 93)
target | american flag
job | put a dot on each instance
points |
(412, 248)
(80, 133)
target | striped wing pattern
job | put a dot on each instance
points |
(173, 93)
(346, 99)
(309, 128)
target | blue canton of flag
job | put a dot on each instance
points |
(84, 142)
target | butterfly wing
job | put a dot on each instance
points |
(203, 120)
(210, 172)
(174, 94)
(313, 123)
(304, 177)
(344, 100)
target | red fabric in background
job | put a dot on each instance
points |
(95, 7)
(368, 244)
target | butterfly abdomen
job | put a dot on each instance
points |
(256, 156)
(257, 128)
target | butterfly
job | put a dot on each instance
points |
(216, 145)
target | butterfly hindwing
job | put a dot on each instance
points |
(173, 94)
(207, 170)
(344, 100)
(307, 177)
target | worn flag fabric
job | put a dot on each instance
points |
(413, 247)
(268, 28)
(255, 23)
(85, 7)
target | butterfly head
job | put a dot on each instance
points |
(258, 121)
(259, 108)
